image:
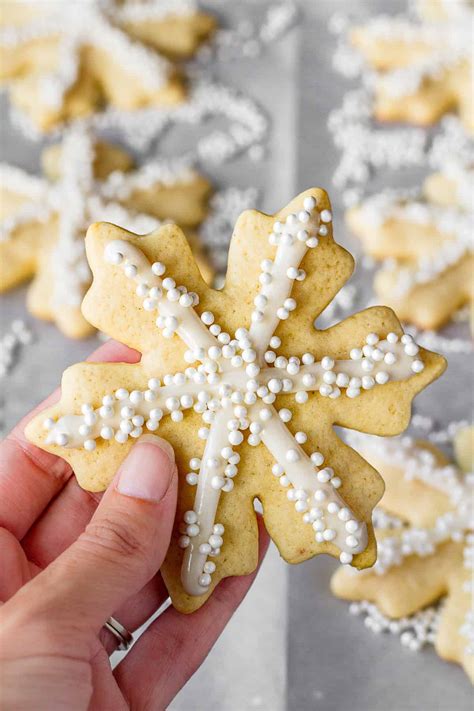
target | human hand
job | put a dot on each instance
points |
(71, 559)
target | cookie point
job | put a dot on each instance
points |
(94, 229)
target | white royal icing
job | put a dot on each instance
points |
(234, 384)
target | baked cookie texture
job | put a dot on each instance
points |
(431, 555)
(44, 220)
(61, 63)
(244, 388)
(422, 69)
(425, 244)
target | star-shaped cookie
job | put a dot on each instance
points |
(44, 220)
(244, 388)
(420, 69)
(432, 554)
(425, 243)
(61, 62)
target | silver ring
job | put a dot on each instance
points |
(124, 637)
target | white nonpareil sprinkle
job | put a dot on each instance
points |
(414, 631)
(436, 342)
(447, 434)
(225, 207)
(17, 335)
(248, 39)
(143, 10)
(247, 123)
(365, 149)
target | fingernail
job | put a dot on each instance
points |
(148, 470)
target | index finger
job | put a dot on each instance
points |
(31, 477)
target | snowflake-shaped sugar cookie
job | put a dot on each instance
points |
(426, 244)
(244, 388)
(44, 221)
(429, 553)
(61, 62)
(420, 68)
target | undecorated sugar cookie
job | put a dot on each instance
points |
(61, 62)
(430, 554)
(43, 222)
(243, 387)
(426, 244)
(420, 69)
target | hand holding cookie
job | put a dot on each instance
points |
(72, 559)
(243, 387)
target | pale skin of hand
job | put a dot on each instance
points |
(71, 559)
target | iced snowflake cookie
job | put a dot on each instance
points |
(426, 242)
(43, 222)
(60, 62)
(244, 388)
(430, 551)
(422, 69)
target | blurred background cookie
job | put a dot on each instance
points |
(45, 219)
(61, 62)
(425, 245)
(422, 67)
(426, 552)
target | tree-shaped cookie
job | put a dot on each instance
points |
(244, 388)
(61, 62)
(44, 221)
(432, 554)
(426, 243)
(420, 69)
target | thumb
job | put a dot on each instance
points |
(125, 542)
